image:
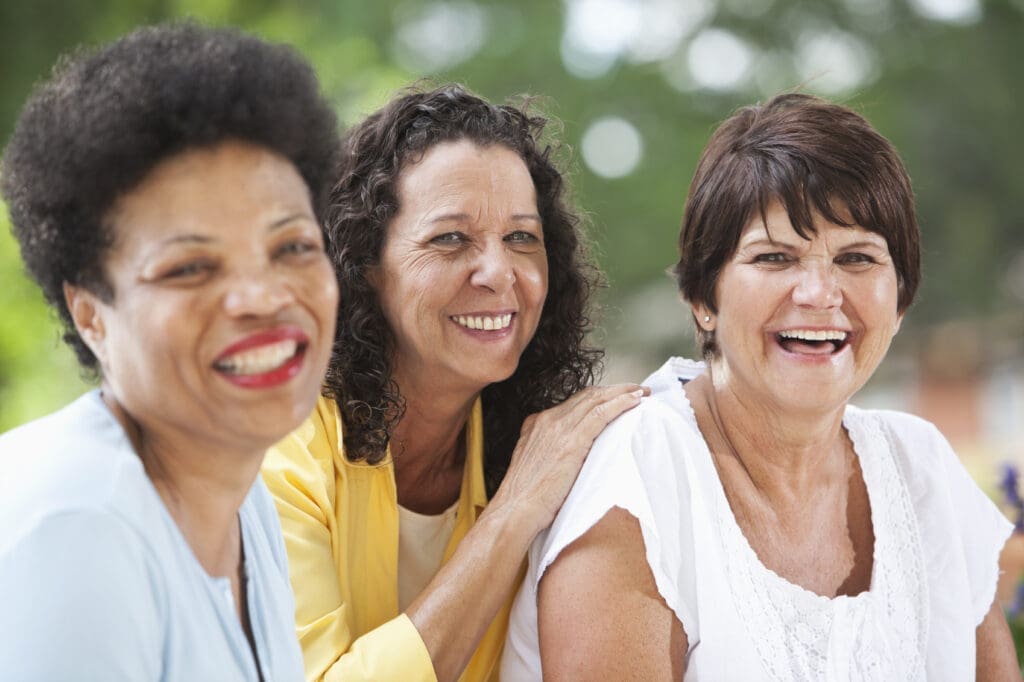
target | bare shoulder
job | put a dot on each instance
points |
(996, 656)
(600, 615)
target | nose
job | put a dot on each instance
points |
(257, 294)
(817, 287)
(493, 268)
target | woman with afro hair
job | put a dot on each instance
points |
(166, 191)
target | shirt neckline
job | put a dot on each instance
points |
(728, 519)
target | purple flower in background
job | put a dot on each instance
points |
(1008, 484)
(1016, 607)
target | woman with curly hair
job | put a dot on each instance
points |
(166, 191)
(410, 496)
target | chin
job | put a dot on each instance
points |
(496, 377)
(276, 420)
(815, 397)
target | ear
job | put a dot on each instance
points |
(86, 312)
(703, 316)
(899, 321)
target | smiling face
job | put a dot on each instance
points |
(802, 325)
(221, 322)
(463, 271)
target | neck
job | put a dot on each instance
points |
(427, 447)
(202, 484)
(786, 455)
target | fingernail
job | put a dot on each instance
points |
(638, 394)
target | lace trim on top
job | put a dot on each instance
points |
(878, 635)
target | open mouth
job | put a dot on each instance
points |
(813, 341)
(262, 359)
(483, 322)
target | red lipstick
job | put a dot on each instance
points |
(270, 378)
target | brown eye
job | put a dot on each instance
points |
(448, 239)
(522, 237)
(189, 269)
(297, 248)
(776, 258)
(855, 259)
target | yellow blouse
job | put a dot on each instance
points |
(340, 524)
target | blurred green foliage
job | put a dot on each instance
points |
(948, 93)
(37, 371)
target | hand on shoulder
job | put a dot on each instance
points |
(552, 447)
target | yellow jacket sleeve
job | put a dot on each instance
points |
(300, 472)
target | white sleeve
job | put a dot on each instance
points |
(78, 603)
(630, 467)
(982, 530)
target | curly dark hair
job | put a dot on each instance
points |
(556, 363)
(811, 155)
(108, 116)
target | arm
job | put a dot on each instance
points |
(996, 655)
(299, 474)
(599, 612)
(443, 626)
(78, 604)
(455, 609)
(982, 531)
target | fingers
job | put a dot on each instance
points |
(553, 445)
(600, 415)
(610, 409)
(601, 404)
(582, 417)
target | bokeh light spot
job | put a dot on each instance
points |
(612, 147)
(950, 11)
(718, 59)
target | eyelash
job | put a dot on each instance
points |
(778, 258)
(195, 268)
(297, 248)
(190, 269)
(448, 238)
(521, 237)
(855, 259)
(453, 238)
(774, 258)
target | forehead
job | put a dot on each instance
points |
(464, 166)
(211, 190)
(777, 225)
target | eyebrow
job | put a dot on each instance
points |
(186, 239)
(860, 244)
(281, 222)
(867, 243)
(465, 217)
(191, 238)
(521, 217)
(765, 241)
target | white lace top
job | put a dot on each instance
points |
(937, 542)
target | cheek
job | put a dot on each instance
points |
(148, 340)
(533, 278)
(322, 291)
(882, 296)
(410, 276)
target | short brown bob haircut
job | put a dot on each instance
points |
(810, 155)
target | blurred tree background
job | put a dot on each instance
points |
(639, 86)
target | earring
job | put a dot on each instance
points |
(707, 318)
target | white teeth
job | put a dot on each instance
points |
(813, 335)
(487, 323)
(259, 360)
